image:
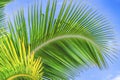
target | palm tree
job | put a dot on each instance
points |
(76, 38)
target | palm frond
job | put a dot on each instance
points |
(4, 2)
(18, 64)
(76, 37)
(2, 14)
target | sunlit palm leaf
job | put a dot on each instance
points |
(18, 63)
(76, 38)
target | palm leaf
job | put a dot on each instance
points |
(4, 2)
(76, 38)
(2, 15)
(18, 64)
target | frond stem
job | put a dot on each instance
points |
(64, 37)
(20, 75)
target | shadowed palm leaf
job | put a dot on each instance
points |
(4, 2)
(76, 38)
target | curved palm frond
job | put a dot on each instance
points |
(18, 64)
(76, 37)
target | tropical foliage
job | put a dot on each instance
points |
(2, 4)
(16, 64)
(76, 37)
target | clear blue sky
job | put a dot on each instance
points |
(109, 8)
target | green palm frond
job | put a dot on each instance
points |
(2, 14)
(4, 2)
(76, 38)
(18, 64)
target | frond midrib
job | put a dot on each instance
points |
(20, 75)
(65, 37)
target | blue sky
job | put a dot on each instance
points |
(110, 9)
